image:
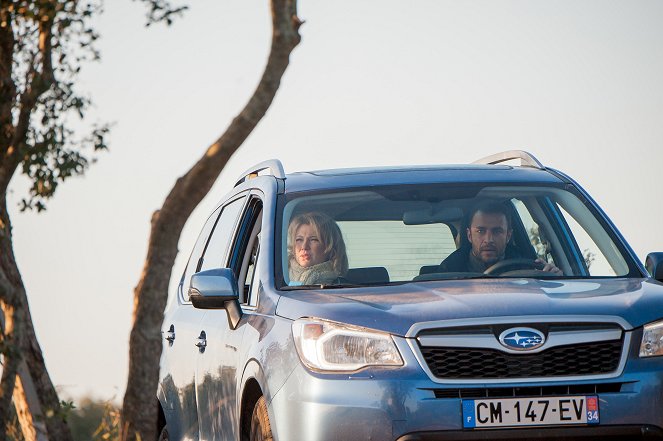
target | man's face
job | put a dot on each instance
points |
(488, 233)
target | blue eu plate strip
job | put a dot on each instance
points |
(469, 419)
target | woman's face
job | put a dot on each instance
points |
(309, 249)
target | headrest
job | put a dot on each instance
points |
(373, 274)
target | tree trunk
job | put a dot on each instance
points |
(139, 412)
(8, 340)
(32, 25)
(11, 335)
(22, 353)
(28, 409)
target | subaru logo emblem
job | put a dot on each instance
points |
(522, 339)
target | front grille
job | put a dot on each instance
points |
(572, 360)
(529, 391)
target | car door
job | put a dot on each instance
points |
(180, 328)
(178, 381)
(217, 369)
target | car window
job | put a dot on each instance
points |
(535, 229)
(409, 233)
(216, 252)
(401, 249)
(195, 258)
(252, 279)
(246, 250)
(594, 259)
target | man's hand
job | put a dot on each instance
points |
(549, 267)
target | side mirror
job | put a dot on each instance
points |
(654, 264)
(216, 289)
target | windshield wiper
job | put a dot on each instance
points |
(450, 276)
(328, 286)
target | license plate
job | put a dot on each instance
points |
(535, 411)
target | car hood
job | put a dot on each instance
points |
(397, 308)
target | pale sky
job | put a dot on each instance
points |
(578, 84)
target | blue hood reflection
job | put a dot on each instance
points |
(396, 308)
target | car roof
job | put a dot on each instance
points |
(404, 175)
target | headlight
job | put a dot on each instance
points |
(652, 340)
(330, 346)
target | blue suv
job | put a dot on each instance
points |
(461, 302)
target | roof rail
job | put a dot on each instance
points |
(526, 159)
(273, 165)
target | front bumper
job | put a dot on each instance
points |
(601, 433)
(401, 404)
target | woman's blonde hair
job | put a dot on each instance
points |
(328, 233)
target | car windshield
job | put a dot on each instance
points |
(382, 235)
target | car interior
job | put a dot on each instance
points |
(539, 222)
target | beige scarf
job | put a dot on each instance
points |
(319, 274)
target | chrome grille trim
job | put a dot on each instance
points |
(413, 343)
(517, 320)
(488, 341)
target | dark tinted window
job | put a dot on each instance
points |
(246, 247)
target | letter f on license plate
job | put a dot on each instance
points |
(534, 411)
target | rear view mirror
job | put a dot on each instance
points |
(654, 264)
(216, 289)
(432, 215)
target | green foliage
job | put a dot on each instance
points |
(48, 161)
(52, 40)
(94, 420)
(540, 243)
(65, 412)
(62, 412)
(162, 11)
(589, 257)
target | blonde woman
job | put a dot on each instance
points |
(316, 250)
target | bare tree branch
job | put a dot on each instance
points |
(46, 51)
(7, 86)
(150, 295)
(40, 82)
(162, 11)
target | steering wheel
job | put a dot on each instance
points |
(506, 265)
